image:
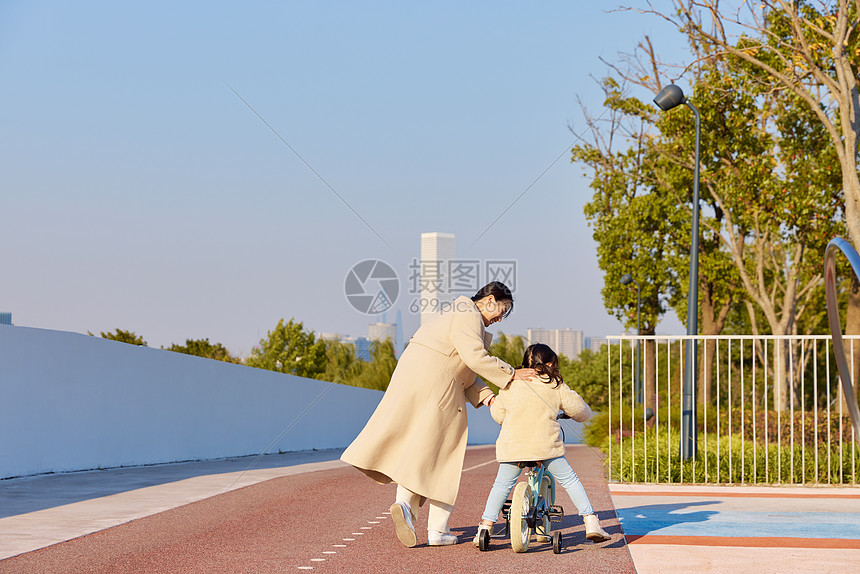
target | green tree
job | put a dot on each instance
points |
(203, 348)
(509, 348)
(766, 179)
(129, 337)
(341, 364)
(588, 375)
(376, 374)
(288, 348)
(807, 54)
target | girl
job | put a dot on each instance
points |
(527, 411)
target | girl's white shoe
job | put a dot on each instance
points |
(593, 531)
(436, 538)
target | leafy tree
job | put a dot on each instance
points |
(123, 337)
(288, 348)
(588, 375)
(808, 54)
(510, 349)
(203, 348)
(376, 374)
(766, 179)
(342, 366)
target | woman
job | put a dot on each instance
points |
(417, 435)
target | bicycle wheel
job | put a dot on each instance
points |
(520, 507)
(484, 540)
(543, 530)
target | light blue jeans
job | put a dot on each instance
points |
(507, 477)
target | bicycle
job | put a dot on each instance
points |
(531, 510)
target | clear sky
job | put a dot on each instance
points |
(140, 192)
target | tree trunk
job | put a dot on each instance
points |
(713, 321)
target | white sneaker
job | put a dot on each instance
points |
(401, 515)
(436, 538)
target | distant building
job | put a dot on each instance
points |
(5, 318)
(437, 250)
(361, 345)
(381, 331)
(594, 343)
(567, 342)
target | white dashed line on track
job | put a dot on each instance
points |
(339, 545)
(349, 539)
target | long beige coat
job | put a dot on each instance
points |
(527, 412)
(417, 435)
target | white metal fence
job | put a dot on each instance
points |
(774, 413)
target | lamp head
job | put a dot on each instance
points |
(626, 279)
(670, 97)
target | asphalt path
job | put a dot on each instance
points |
(332, 521)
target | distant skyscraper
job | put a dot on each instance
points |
(594, 343)
(5, 318)
(437, 249)
(567, 342)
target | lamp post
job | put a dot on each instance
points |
(627, 279)
(668, 98)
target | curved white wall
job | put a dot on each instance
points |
(75, 402)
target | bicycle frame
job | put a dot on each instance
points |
(539, 505)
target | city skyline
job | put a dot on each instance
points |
(207, 174)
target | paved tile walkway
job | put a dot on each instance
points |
(740, 529)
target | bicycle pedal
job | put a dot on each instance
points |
(555, 513)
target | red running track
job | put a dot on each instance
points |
(331, 521)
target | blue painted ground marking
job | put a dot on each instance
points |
(696, 520)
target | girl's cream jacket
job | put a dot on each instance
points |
(527, 412)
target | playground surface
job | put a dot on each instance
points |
(309, 512)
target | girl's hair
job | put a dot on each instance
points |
(499, 291)
(543, 360)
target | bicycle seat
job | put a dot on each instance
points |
(528, 464)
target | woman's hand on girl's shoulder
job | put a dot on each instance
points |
(524, 374)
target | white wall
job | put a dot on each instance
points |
(74, 402)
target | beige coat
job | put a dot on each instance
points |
(527, 412)
(417, 435)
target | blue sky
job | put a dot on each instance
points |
(139, 192)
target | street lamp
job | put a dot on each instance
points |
(627, 279)
(668, 98)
